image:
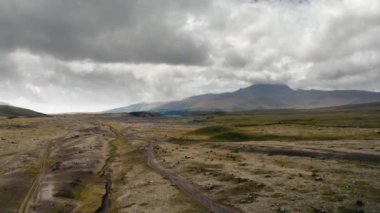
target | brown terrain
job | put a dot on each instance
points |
(125, 163)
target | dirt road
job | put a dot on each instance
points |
(186, 187)
(33, 190)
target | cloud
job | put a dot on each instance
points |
(113, 31)
(86, 85)
(79, 55)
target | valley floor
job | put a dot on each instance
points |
(121, 163)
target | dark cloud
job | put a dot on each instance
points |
(110, 31)
(79, 55)
(234, 59)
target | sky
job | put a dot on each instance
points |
(92, 55)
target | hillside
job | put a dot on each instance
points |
(373, 107)
(260, 96)
(11, 111)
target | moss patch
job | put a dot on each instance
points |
(210, 130)
(231, 136)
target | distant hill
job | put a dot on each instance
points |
(260, 96)
(12, 112)
(366, 107)
(136, 107)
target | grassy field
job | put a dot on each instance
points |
(281, 160)
(14, 112)
(349, 122)
(364, 116)
(324, 160)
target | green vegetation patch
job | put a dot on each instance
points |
(226, 177)
(231, 136)
(248, 187)
(210, 130)
(87, 191)
(33, 169)
(360, 116)
(287, 125)
(65, 193)
(14, 112)
(240, 136)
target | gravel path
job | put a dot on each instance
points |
(186, 187)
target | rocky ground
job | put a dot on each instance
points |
(98, 163)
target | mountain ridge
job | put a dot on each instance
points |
(259, 96)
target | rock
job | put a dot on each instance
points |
(359, 203)
(68, 208)
(318, 178)
(210, 187)
(56, 166)
(250, 199)
(260, 185)
(244, 200)
(240, 180)
(319, 210)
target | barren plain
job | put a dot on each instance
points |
(218, 162)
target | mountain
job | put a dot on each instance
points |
(260, 96)
(12, 112)
(137, 107)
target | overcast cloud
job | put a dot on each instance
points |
(91, 55)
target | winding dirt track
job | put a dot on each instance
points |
(33, 189)
(186, 187)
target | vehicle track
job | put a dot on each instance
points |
(187, 188)
(4, 165)
(33, 189)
